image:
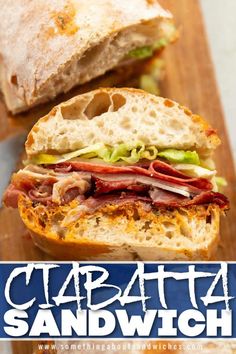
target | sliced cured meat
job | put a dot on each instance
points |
(11, 195)
(104, 186)
(72, 194)
(37, 189)
(74, 182)
(106, 183)
(42, 194)
(210, 197)
(94, 203)
(164, 198)
(159, 184)
(195, 185)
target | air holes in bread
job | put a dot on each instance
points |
(183, 213)
(74, 110)
(91, 135)
(208, 219)
(61, 233)
(168, 226)
(62, 132)
(125, 123)
(100, 124)
(148, 122)
(14, 80)
(136, 215)
(187, 112)
(169, 234)
(153, 114)
(144, 139)
(185, 231)
(102, 103)
(146, 226)
(99, 104)
(118, 101)
(176, 124)
(168, 103)
(57, 218)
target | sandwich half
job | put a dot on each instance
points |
(48, 47)
(120, 174)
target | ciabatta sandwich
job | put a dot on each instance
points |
(120, 174)
(48, 47)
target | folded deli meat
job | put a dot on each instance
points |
(93, 184)
(120, 167)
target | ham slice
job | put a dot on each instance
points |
(93, 203)
(162, 199)
(43, 194)
(157, 184)
(11, 195)
(104, 186)
(157, 169)
(210, 197)
(165, 199)
(108, 183)
(157, 198)
(68, 188)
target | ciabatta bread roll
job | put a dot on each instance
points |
(119, 174)
(48, 47)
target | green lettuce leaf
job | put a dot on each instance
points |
(141, 53)
(147, 51)
(161, 43)
(46, 159)
(130, 153)
(221, 181)
(149, 84)
(180, 156)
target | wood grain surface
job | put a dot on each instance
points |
(190, 80)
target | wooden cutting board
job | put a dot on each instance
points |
(189, 80)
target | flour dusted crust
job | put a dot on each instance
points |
(123, 232)
(47, 47)
(112, 116)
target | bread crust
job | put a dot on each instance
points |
(78, 27)
(128, 232)
(70, 126)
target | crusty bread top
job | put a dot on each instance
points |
(112, 116)
(39, 38)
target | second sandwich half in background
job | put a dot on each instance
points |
(48, 47)
(120, 174)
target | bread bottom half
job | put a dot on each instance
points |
(127, 232)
